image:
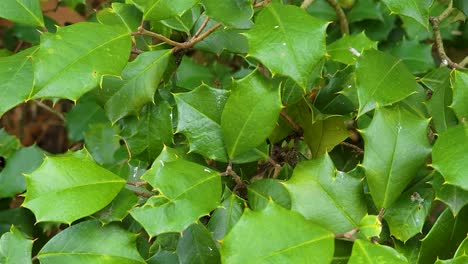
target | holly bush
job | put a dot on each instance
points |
(238, 131)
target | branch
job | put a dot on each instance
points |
(464, 62)
(143, 31)
(50, 109)
(276, 167)
(341, 17)
(262, 3)
(136, 183)
(142, 194)
(348, 235)
(202, 27)
(294, 125)
(306, 3)
(357, 149)
(229, 171)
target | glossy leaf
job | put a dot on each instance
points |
(8, 144)
(162, 9)
(277, 30)
(382, 80)
(261, 192)
(460, 95)
(324, 134)
(102, 141)
(197, 246)
(187, 191)
(15, 247)
(184, 22)
(416, 56)
(395, 148)
(232, 13)
(250, 114)
(284, 243)
(84, 114)
(330, 198)
(449, 155)
(104, 244)
(370, 226)
(453, 196)
(461, 5)
(17, 78)
(224, 39)
(407, 215)
(104, 51)
(147, 134)
(125, 15)
(200, 120)
(340, 49)
(22, 11)
(415, 9)
(365, 252)
(191, 75)
(22, 161)
(140, 81)
(227, 215)
(365, 10)
(119, 208)
(68, 187)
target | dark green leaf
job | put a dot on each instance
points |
(261, 192)
(365, 9)
(84, 114)
(285, 242)
(119, 208)
(415, 9)
(162, 9)
(103, 244)
(184, 22)
(462, 5)
(227, 215)
(416, 56)
(197, 246)
(453, 196)
(15, 248)
(102, 141)
(338, 201)
(297, 52)
(232, 13)
(395, 148)
(324, 134)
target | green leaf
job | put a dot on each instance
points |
(462, 5)
(366, 252)
(199, 120)
(324, 134)
(140, 81)
(73, 3)
(190, 74)
(102, 141)
(365, 9)
(147, 134)
(197, 246)
(438, 106)
(224, 39)
(22, 161)
(293, 241)
(79, 119)
(22, 11)
(185, 22)
(119, 208)
(227, 215)
(382, 80)
(104, 50)
(15, 248)
(8, 144)
(250, 114)
(449, 155)
(68, 187)
(416, 56)
(187, 191)
(453, 196)
(17, 78)
(407, 215)
(322, 9)
(415, 9)
(19, 217)
(460, 95)
(261, 192)
(297, 52)
(444, 237)
(338, 201)
(162, 9)
(340, 49)
(370, 226)
(127, 16)
(395, 148)
(103, 244)
(232, 13)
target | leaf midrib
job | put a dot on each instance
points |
(31, 13)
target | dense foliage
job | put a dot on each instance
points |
(238, 131)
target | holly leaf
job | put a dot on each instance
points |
(17, 77)
(11, 177)
(227, 215)
(460, 95)
(197, 246)
(416, 56)
(382, 80)
(261, 192)
(338, 201)
(162, 9)
(250, 114)
(102, 141)
(395, 148)
(104, 50)
(232, 13)
(365, 252)
(340, 49)
(370, 226)
(285, 241)
(184, 22)
(125, 15)
(104, 244)
(22, 11)
(278, 30)
(140, 81)
(455, 197)
(199, 120)
(324, 134)
(15, 247)
(187, 191)
(119, 208)
(415, 9)
(84, 114)
(407, 215)
(8, 144)
(449, 155)
(68, 187)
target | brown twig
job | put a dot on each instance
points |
(357, 149)
(348, 235)
(306, 3)
(229, 171)
(262, 3)
(142, 193)
(381, 214)
(202, 27)
(136, 183)
(293, 123)
(464, 62)
(143, 31)
(136, 51)
(50, 109)
(276, 167)
(341, 17)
